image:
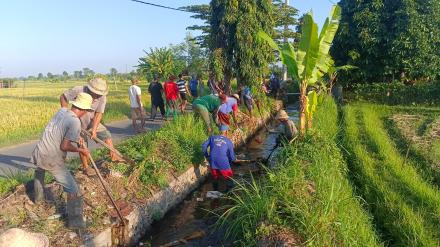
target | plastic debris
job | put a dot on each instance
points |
(214, 194)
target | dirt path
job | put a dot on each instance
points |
(15, 159)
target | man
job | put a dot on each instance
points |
(287, 128)
(156, 90)
(137, 109)
(212, 85)
(171, 95)
(50, 153)
(183, 90)
(221, 154)
(274, 85)
(206, 106)
(194, 86)
(248, 100)
(228, 105)
(91, 121)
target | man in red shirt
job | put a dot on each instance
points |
(171, 95)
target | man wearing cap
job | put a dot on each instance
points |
(91, 121)
(49, 155)
(171, 91)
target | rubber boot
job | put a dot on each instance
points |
(75, 218)
(167, 112)
(39, 185)
(174, 114)
(215, 185)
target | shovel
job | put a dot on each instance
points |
(109, 148)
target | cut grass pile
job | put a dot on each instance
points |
(404, 204)
(26, 110)
(308, 195)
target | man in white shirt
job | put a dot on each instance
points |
(137, 110)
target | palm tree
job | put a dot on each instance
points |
(157, 62)
(312, 59)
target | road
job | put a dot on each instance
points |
(15, 159)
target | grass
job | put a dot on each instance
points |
(26, 110)
(405, 206)
(309, 194)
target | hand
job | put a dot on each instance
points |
(94, 136)
(81, 142)
(84, 151)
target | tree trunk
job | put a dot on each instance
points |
(303, 107)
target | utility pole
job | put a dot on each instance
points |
(286, 28)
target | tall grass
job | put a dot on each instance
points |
(309, 194)
(399, 220)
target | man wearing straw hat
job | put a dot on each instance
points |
(49, 155)
(287, 127)
(91, 121)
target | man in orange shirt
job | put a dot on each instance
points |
(171, 95)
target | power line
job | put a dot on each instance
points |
(162, 6)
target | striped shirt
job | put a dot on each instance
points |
(181, 85)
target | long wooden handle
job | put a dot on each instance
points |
(106, 190)
(109, 148)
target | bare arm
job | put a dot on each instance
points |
(138, 99)
(66, 145)
(96, 121)
(63, 101)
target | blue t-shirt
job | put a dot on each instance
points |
(229, 106)
(193, 84)
(221, 152)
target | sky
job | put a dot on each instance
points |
(61, 35)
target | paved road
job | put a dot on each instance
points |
(15, 159)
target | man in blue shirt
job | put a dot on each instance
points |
(220, 155)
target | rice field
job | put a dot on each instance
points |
(27, 108)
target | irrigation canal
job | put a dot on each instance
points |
(192, 222)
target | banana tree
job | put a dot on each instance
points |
(312, 59)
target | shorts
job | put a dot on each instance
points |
(101, 132)
(137, 114)
(194, 93)
(62, 176)
(183, 96)
(226, 174)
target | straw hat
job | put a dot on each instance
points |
(236, 96)
(83, 101)
(98, 86)
(16, 237)
(282, 115)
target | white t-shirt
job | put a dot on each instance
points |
(133, 91)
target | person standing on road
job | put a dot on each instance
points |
(91, 121)
(194, 86)
(49, 155)
(221, 154)
(205, 107)
(228, 105)
(156, 89)
(137, 109)
(171, 95)
(183, 90)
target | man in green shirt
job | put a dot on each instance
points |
(206, 106)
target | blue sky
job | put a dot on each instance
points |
(57, 35)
